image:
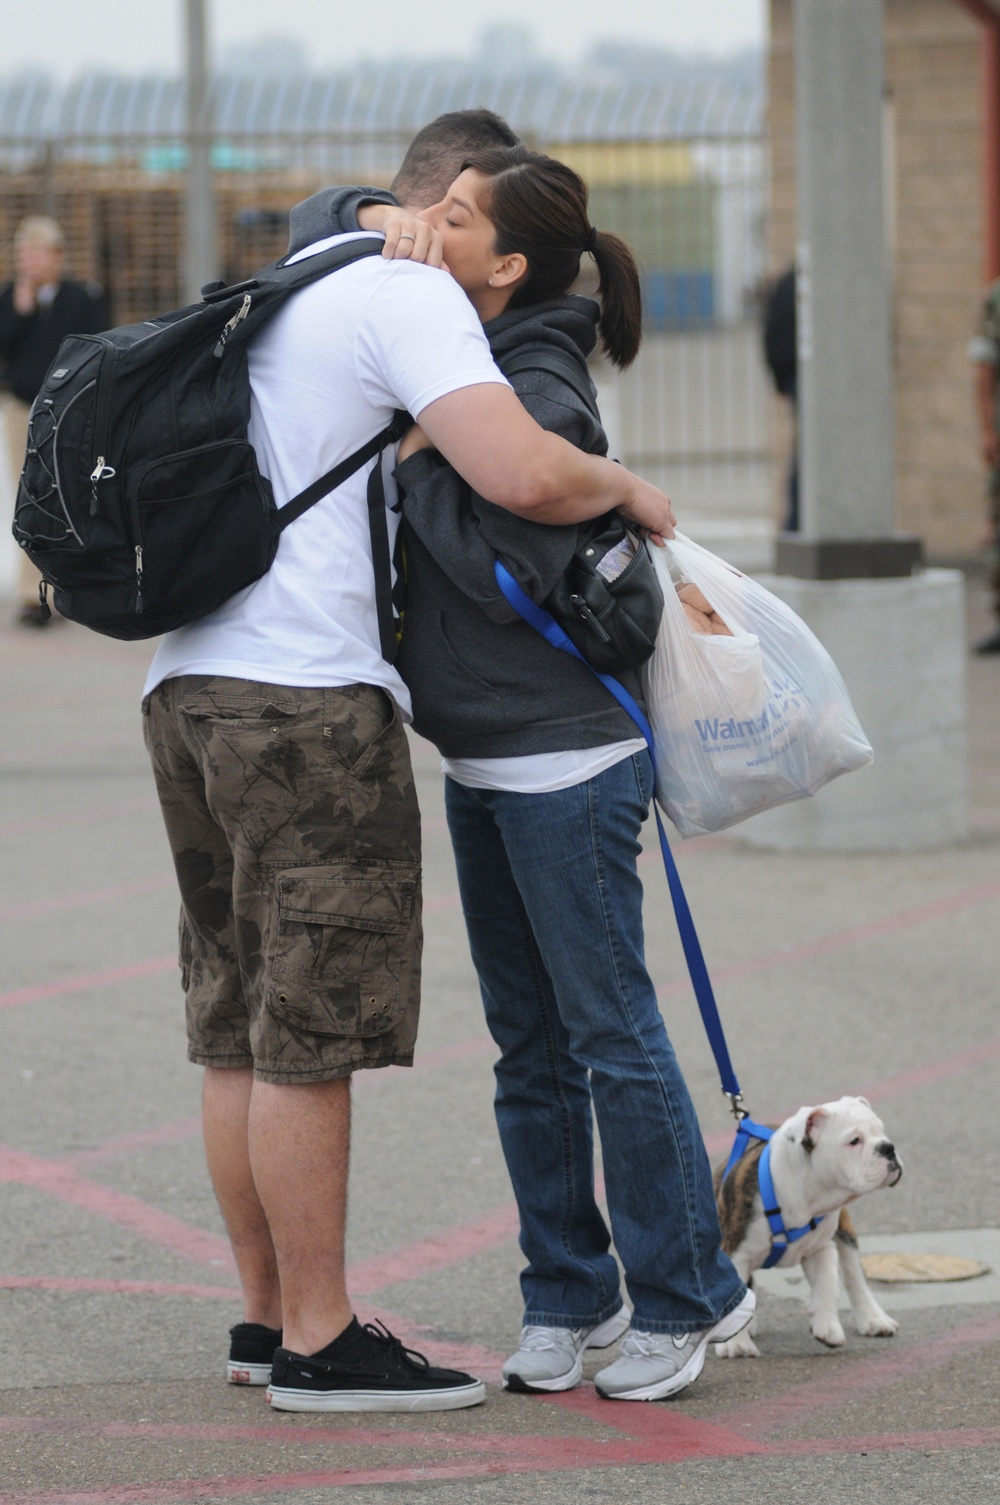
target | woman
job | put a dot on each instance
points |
(547, 787)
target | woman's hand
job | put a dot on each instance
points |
(412, 440)
(649, 509)
(407, 238)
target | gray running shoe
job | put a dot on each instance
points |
(551, 1358)
(655, 1365)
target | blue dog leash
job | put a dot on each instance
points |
(540, 619)
(746, 1130)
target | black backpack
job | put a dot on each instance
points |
(608, 601)
(140, 500)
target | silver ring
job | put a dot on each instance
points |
(407, 237)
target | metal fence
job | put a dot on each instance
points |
(683, 179)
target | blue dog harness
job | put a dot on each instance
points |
(781, 1237)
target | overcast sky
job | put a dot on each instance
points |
(63, 37)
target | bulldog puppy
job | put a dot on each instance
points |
(821, 1159)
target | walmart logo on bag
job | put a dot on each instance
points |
(785, 697)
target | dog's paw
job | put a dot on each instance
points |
(876, 1323)
(829, 1331)
(740, 1347)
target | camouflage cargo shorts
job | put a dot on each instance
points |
(293, 822)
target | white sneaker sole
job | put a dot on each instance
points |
(727, 1327)
(248, 1374)
(376, 1400)
(603, 1336)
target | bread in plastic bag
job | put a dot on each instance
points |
(746, 721)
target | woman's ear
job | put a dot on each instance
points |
(511, 270)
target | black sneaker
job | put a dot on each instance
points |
(251, 1349)
(367, 1369)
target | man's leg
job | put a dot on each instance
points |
(225, 1113)
(299, 1139)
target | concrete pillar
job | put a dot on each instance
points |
(200, 256)
(845, 359)
(896, 633)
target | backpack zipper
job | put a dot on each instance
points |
(100, 472)
(138, 579)
(237, 318)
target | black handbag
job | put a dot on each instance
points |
(609, 601)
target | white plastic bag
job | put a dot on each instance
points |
(743, 722)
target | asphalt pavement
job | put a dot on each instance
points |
(867, 973)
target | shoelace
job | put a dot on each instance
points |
(536, 1339)
(396, 1347)
(639, 1344)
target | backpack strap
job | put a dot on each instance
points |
(536, 355)
(300, 274)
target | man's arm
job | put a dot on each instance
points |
(485, 433)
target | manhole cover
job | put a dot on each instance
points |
(897, 1267)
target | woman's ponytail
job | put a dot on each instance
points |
(539, 208)
(620, 323)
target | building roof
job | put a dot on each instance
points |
(394, 98)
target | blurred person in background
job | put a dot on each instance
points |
(781, 357)
(37, 310)
(984, 350)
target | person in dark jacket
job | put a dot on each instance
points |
(548, 784)
(37, 310)
(781, 355)
(547, 787)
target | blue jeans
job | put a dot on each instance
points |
(553, 905)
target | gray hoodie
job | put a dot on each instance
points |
(484, 683)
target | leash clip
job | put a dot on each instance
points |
(736, 1104)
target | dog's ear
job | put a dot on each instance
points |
(814, 1128)
(866, 1102)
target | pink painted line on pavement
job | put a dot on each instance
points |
(33, 907)
(116, 1288)
(856, 935)
(174, 1132)
(682, 1440)
(951, 1440)
(438, 1251)
(160, 1228)
(781, 1413)
(440, 903)
(83, 818)
(109, 978)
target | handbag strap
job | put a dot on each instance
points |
(538, 618)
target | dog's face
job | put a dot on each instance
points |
(846, 1145)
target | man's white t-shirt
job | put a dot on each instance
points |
(326, 374)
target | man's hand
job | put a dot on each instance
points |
(406, 237)
(991, 447)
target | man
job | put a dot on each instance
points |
(984, 350)
(275, 728)
(37, 310)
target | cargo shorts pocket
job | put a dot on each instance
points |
(341, 951)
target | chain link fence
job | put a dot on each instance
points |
(693, 412)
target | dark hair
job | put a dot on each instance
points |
(539, 208)
(434, 157)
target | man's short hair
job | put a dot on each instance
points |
(39, 230)
(435, 155)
